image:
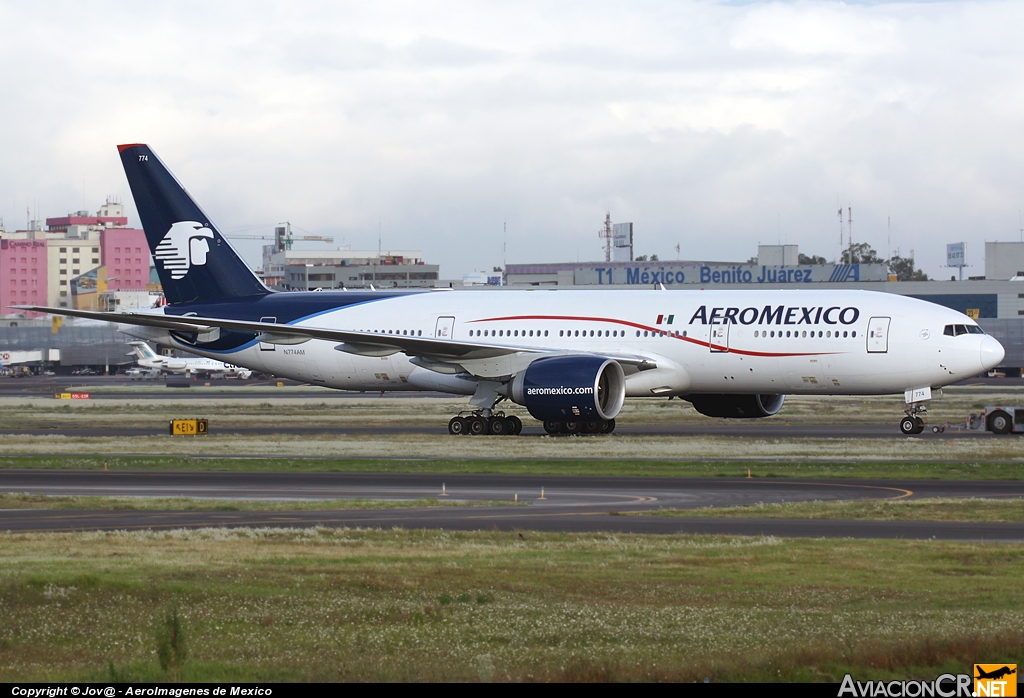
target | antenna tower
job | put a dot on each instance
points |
(606, 234)
(849, 234)
(841, 232)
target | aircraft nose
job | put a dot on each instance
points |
(992, 352)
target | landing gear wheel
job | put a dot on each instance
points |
(591, 426)
(908, 425)
(999, 422)
(457, 426)
(477, 426)
(553, 427)
(609, 426)
(570, 427)
(498, 426)
(517, 425)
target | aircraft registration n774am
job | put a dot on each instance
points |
(570, 357)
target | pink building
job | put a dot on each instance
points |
(22, 274)
(125, 254)
(61, 224)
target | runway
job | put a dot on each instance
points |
(571, 504)
(761, 429)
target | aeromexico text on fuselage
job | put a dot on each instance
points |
(776, 315)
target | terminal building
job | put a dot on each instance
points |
(995, 300)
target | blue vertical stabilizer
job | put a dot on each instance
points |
(195, 262)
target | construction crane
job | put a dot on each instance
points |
(283, 237)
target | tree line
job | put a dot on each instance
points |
(902, 268)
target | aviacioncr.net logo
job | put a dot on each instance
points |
(183, 247)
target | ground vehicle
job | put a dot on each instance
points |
(998, 419)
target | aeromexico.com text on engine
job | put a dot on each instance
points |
(560, 391)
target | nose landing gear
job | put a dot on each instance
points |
(912, 423)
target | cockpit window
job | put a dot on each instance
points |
(957, 330)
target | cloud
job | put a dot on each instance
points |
(714, 126)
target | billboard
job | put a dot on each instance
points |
(956, 255)
(493, 279)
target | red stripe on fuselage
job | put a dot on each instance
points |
(638, 326)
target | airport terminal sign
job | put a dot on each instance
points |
(669, 274)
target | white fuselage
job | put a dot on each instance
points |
(797, 342)
(192, 366)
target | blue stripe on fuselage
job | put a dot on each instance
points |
(288, 308)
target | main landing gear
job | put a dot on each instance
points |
(589, 426)
(497, 424)
(912, 423)
(483, 419)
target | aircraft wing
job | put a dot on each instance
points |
(368, 343)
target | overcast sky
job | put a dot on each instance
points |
(710, 125)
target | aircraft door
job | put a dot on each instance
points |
(445, 328)
(263, 345)
(719, 339)
(878, 335)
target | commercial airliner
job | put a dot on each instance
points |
(147, 358)
(570, 357)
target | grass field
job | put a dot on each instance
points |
(968, 509)
(819, 467)
(972, 509)
(424, 605)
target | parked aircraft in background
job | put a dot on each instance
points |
(570, 357)
(147, 358)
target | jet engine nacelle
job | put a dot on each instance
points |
(737, 406)
(566, 388)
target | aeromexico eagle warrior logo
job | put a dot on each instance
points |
(183, 247)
